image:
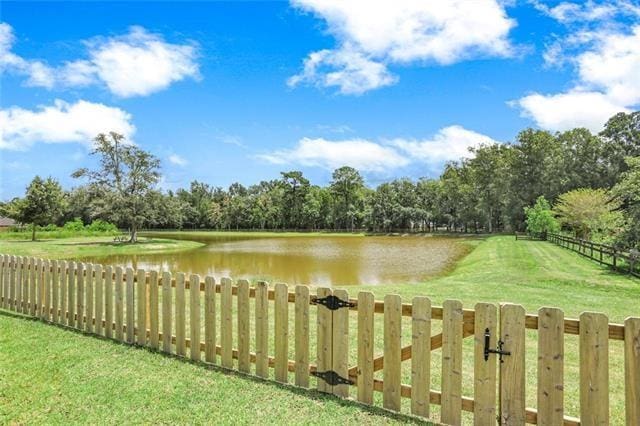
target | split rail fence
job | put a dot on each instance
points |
(619, 260)
(196, 318)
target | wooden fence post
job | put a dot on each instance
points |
(71, 293)
(325, 334)
(119, 304)
(262, 329)
(452, 362)
(130, 306)
(194, 314)
(89, 302)
(392, 348)
(243, 326)
(141, 302)
(99, 296)
(108, 301)
(210, 319)
(167, 305)
(512, 369)
(550, 366)
(420, 356)
(341, 343)
(226, 322)
(302, 336)
(365, 346)
(281, 328)
(154, 326)
(632, 370)
(180, 315)
(484, 377)
(594, 368)
(80, 270)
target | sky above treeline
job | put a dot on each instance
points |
(239, 91)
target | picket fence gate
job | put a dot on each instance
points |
(152, 309)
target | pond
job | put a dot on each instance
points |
(313, 260)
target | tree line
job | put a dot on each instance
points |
(485, 193)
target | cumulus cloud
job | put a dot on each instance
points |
(449, 143)
(61, 122)
(605, 54)
(177, 160)
(372, 35)
(134, 64)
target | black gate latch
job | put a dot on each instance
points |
(488, 350)
(332, 302)
(332, 378)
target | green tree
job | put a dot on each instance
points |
(621, 137)
(589, 212)
(127, 176)
(43, 204)
(347, 188)
(628, 191)
(296, 187)
(540, 218)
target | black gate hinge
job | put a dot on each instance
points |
(332, 302)
(488, 350)
(332, 378)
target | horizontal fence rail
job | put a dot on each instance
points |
(350, 347)
(620, 260)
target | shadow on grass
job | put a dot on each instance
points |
(308, 393)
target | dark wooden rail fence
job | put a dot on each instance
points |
(619, 260)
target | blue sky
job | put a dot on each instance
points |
(238, 91)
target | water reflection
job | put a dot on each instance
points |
(340, 260)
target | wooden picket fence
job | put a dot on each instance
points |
(620, 260)
(195, 318)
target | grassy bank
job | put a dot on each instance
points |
(73, 248)
(54, 376)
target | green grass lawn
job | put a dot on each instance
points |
(49, 375)
(498, 269)
(72, 248)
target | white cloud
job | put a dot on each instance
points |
(449, 144)
(135, 64)
(61, 122)
(565, 111)
(607, 66)
(566, 12)
(177, 160)
(372, 35)
(361, 154)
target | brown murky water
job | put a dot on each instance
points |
(313, 260)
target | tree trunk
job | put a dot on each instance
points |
(134, 234)
(33, 232)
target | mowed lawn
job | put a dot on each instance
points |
(55, 375)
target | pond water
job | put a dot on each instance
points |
(312, 260)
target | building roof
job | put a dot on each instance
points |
(5, 221)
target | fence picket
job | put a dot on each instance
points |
(512, 370)
(262, 329)
(58, 272)
(89, 302)
(366, 303)
(12, 282)
(484, 371)
(180, 315)
(243, 326)
(108, 301)
(550, 366)
(392, 347)
(154, 328)
(71, 293)
(324, 336)
(166, 312)
(281, 327)
(130, 314)
(594, 368)
(341, 344)
(141, 305)
(420, 356)
(3, 293)
(632, 370)
(302, 301)
(80, 270)
(226, 323)
(46, 286)
(18, 284)
(98, 287)
(451, 362)
(119, 304)
(39, 288)
(6, 281)
(33, 287)
(194, 311)
(210, 319)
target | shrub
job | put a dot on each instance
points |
(75, 225)
(100, 225)
(540, 217)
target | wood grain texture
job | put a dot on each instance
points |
(550, 366)
(281, 328)
(242, 298)
(420, 356)
(512, 370)
(391, 394)
(632, 370)
(194, 313)
(594, 369)
(302, 336)
(98, 289)
(154, 323)
(141, 307)
(365, 347)
(130, 304)
(180, 315)
(452, 362)
(226, 322)
(167, 311)
(484, 372)
(210, 319)
(324, 334)
(262, 329)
